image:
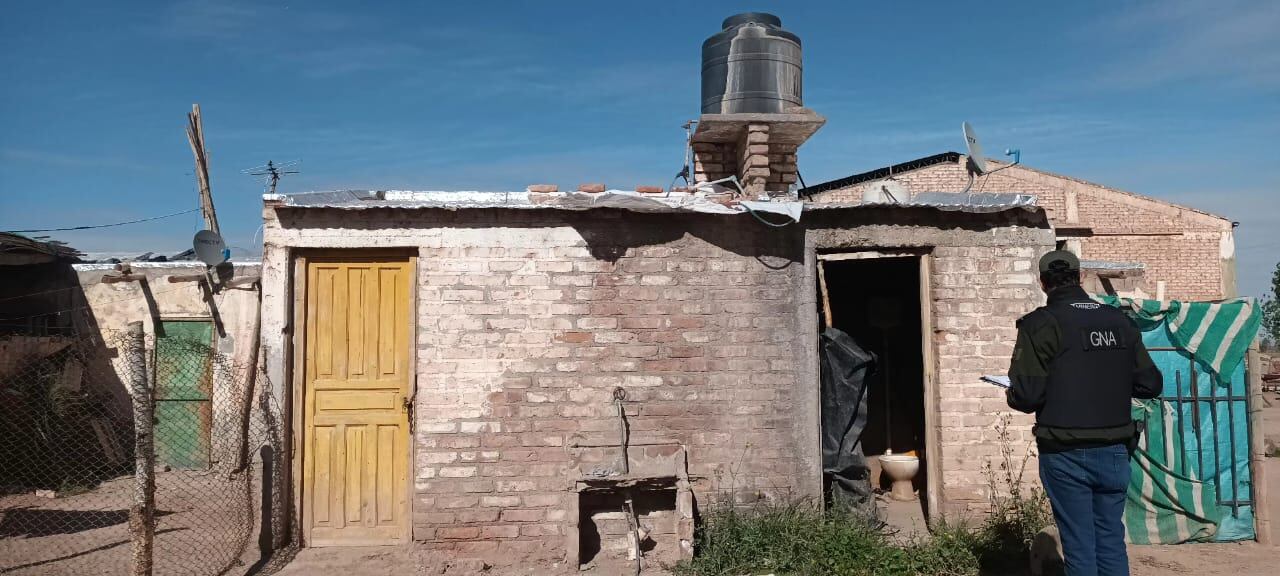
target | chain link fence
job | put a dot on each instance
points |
(75, 472)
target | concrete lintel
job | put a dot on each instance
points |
(793, 128)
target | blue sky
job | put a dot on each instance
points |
(1175, 99)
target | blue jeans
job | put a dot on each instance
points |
(1086, 487)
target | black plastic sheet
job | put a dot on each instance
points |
(846, 369)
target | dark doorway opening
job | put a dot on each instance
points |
(876, 301)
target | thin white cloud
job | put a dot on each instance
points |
(63, 160)
(1233, 41)
(209, 19)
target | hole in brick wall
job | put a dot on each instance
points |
(603, 527)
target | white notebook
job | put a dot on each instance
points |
(1001, 381)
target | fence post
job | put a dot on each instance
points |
(1257, 448)
(142, 513)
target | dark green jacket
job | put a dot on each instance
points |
(1076, 365)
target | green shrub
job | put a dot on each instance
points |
(798, 539)
(1017, 513)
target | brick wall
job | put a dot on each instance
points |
(522, 342)
(1179, 246)
(979, 294)
(528, 320)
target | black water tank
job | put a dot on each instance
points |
(752, 65)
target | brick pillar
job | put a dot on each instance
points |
(782, 168)
(713, 161)
(753, 159)
(758, 149)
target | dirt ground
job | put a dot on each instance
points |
(1228, 558)
(204, 523)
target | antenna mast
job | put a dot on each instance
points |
(272, 173)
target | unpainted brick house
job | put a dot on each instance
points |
(1118, 235)
(511, 376)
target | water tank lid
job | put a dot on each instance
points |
(751, 17)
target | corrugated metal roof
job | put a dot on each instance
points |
(622, 199)
(173, 265)
(1108, 265)
(18, 244)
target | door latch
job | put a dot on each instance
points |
(407, 404)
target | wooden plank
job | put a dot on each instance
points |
(338, 337)
(122, 278)
(870, 254)
(405, 449)
(379, 399)
(354, 474)
(369, 480)
(324, 322)
(338, 489)
(826, 299)
(387, 321)
(932, 396)
(370, 354)
(323, 474)
(386, 483)
(403, 345)
(355, 321)
(299, 352)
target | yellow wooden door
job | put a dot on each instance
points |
(356, 420)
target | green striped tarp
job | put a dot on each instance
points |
(1217, 333)
(1163, 506)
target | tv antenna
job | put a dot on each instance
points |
(271, 172)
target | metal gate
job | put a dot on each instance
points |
(183, 393)
(1211, 414)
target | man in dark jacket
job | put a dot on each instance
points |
(1077, 365)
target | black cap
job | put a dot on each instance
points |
(1059, 260)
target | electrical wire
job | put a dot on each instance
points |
(986, 176)
(7, 298)
(1005, 167)
(969, 185)
(101, 225)
(766, 222)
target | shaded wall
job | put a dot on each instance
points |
(111, 307)
(37, 299)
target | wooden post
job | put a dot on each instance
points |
(826, 298)
(1257, 448)
(142, 513)
(251, 379)
(195, 136)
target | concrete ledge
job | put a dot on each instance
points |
(793, 128)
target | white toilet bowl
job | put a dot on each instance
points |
(901, 468)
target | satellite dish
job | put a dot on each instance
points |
(976, 160)
(885, 192)
(210, 248)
